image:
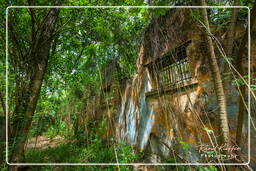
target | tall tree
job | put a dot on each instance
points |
(221, 99)
(230, 42)
(30, 64)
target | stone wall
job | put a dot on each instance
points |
(168, 124)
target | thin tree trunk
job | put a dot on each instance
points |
(239, 67)
(2, 138)
(229, 43)
(217, 80)
(39, 56)
(2, 102)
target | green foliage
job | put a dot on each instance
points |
(57, 129)
(3, 169)
(97, 152)
(239, 81)
(85, 40)
(253, 87)
(159, 11)
(103, 127)
(185, 146)
(188, 168)
(195, 15)
(77, 56)
(84, 149)
(207, 168)
(209, 131)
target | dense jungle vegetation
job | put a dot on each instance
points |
(55, 58)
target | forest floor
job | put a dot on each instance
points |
(61, 150)
(43, 142)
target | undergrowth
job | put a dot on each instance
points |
(96, 152)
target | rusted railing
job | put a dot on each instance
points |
(172, 68)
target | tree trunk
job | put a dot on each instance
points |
(217, 80)
(239, 67)
(2, 138)
(39, 55)
(2, 101)
(229, 44)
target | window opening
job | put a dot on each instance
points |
(172, 68)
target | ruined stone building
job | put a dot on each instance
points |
(170, 103)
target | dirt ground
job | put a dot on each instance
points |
(43, 142)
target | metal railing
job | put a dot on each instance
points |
(172, 68)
